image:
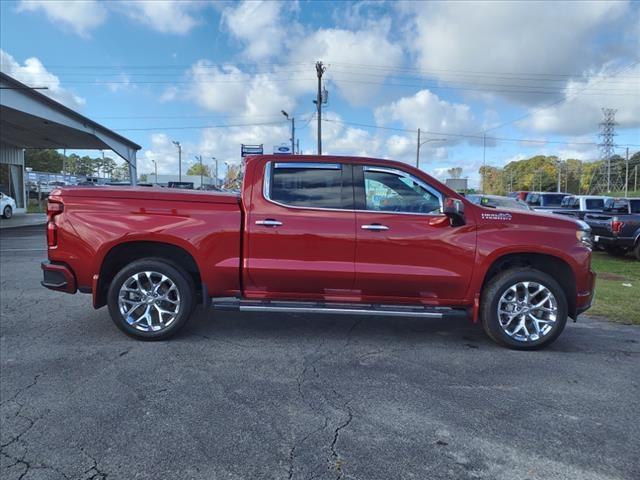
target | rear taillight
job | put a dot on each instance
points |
(616, 225)
(53, 208)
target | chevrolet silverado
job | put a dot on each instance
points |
(335, 235)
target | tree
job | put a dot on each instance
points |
(199, 169)
(44, 160)
(455, 172)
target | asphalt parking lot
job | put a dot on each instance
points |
(240, 396)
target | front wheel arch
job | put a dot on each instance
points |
(549, 264)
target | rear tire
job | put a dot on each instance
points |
(151, 299)
(510, 315)
(7, 212)
(636, 250)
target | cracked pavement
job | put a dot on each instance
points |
(259, 396)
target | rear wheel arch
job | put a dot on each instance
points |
(554, 266)
(125, 253)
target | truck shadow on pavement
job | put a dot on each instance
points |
(285, 327)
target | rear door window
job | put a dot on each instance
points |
(312, 185)
(594, 203)
(635, 206)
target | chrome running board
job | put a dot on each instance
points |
(336, 308)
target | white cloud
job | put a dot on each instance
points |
(453, 39)
(164, 16)
(340, 139)
(81, 17)
(228, 89)
(581, 110)
(260, 26)
(34, 74)
(425, 110)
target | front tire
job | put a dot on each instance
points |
(151, 299)
(7, 212)
(523, 309)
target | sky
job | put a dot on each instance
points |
(484, 81)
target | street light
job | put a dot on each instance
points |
(422, 143)
(177, 144)
(293, 131)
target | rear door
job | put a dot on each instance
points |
(301, 232)
(406, 248)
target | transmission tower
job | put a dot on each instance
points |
(608, 177)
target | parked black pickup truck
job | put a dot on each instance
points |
(617, 228)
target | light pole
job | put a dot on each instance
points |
(293, 131)
(422, 143)
(215, 177)
(155, 165)
(177, 144)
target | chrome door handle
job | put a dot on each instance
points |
(269, 222)
(374, 226)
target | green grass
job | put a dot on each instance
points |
(616, 300)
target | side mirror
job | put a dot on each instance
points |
(454, 209)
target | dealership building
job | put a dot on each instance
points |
(30, 119)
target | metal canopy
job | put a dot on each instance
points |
(29, 119)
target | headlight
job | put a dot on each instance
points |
(583, 234)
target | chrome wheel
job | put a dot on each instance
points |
(527, 311)
(149, 301)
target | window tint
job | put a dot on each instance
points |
(307, 187)
(551, 200)
(594, 203)
(388, 192)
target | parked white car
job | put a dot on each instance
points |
(7, 205)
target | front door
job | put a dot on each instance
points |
(406, 248)
(301, 232)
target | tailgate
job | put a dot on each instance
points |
(600, 224)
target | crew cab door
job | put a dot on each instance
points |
(300, 232)
(406, 249)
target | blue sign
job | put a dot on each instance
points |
(283, 149)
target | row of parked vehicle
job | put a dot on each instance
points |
(614, 222)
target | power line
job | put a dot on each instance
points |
(562, 100)
(198, 127)
(474, 136)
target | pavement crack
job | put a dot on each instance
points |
(96, 473)
(337, 461)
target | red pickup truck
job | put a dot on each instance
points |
(313, 234)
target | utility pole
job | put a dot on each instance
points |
(635, 180)
(215, 179)
(320, 68)
(293, 131)
(559, 176)
(626, 175)
(177, 144)
(155, 165)
(484, 160)
(298, 146)
(199, 158)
